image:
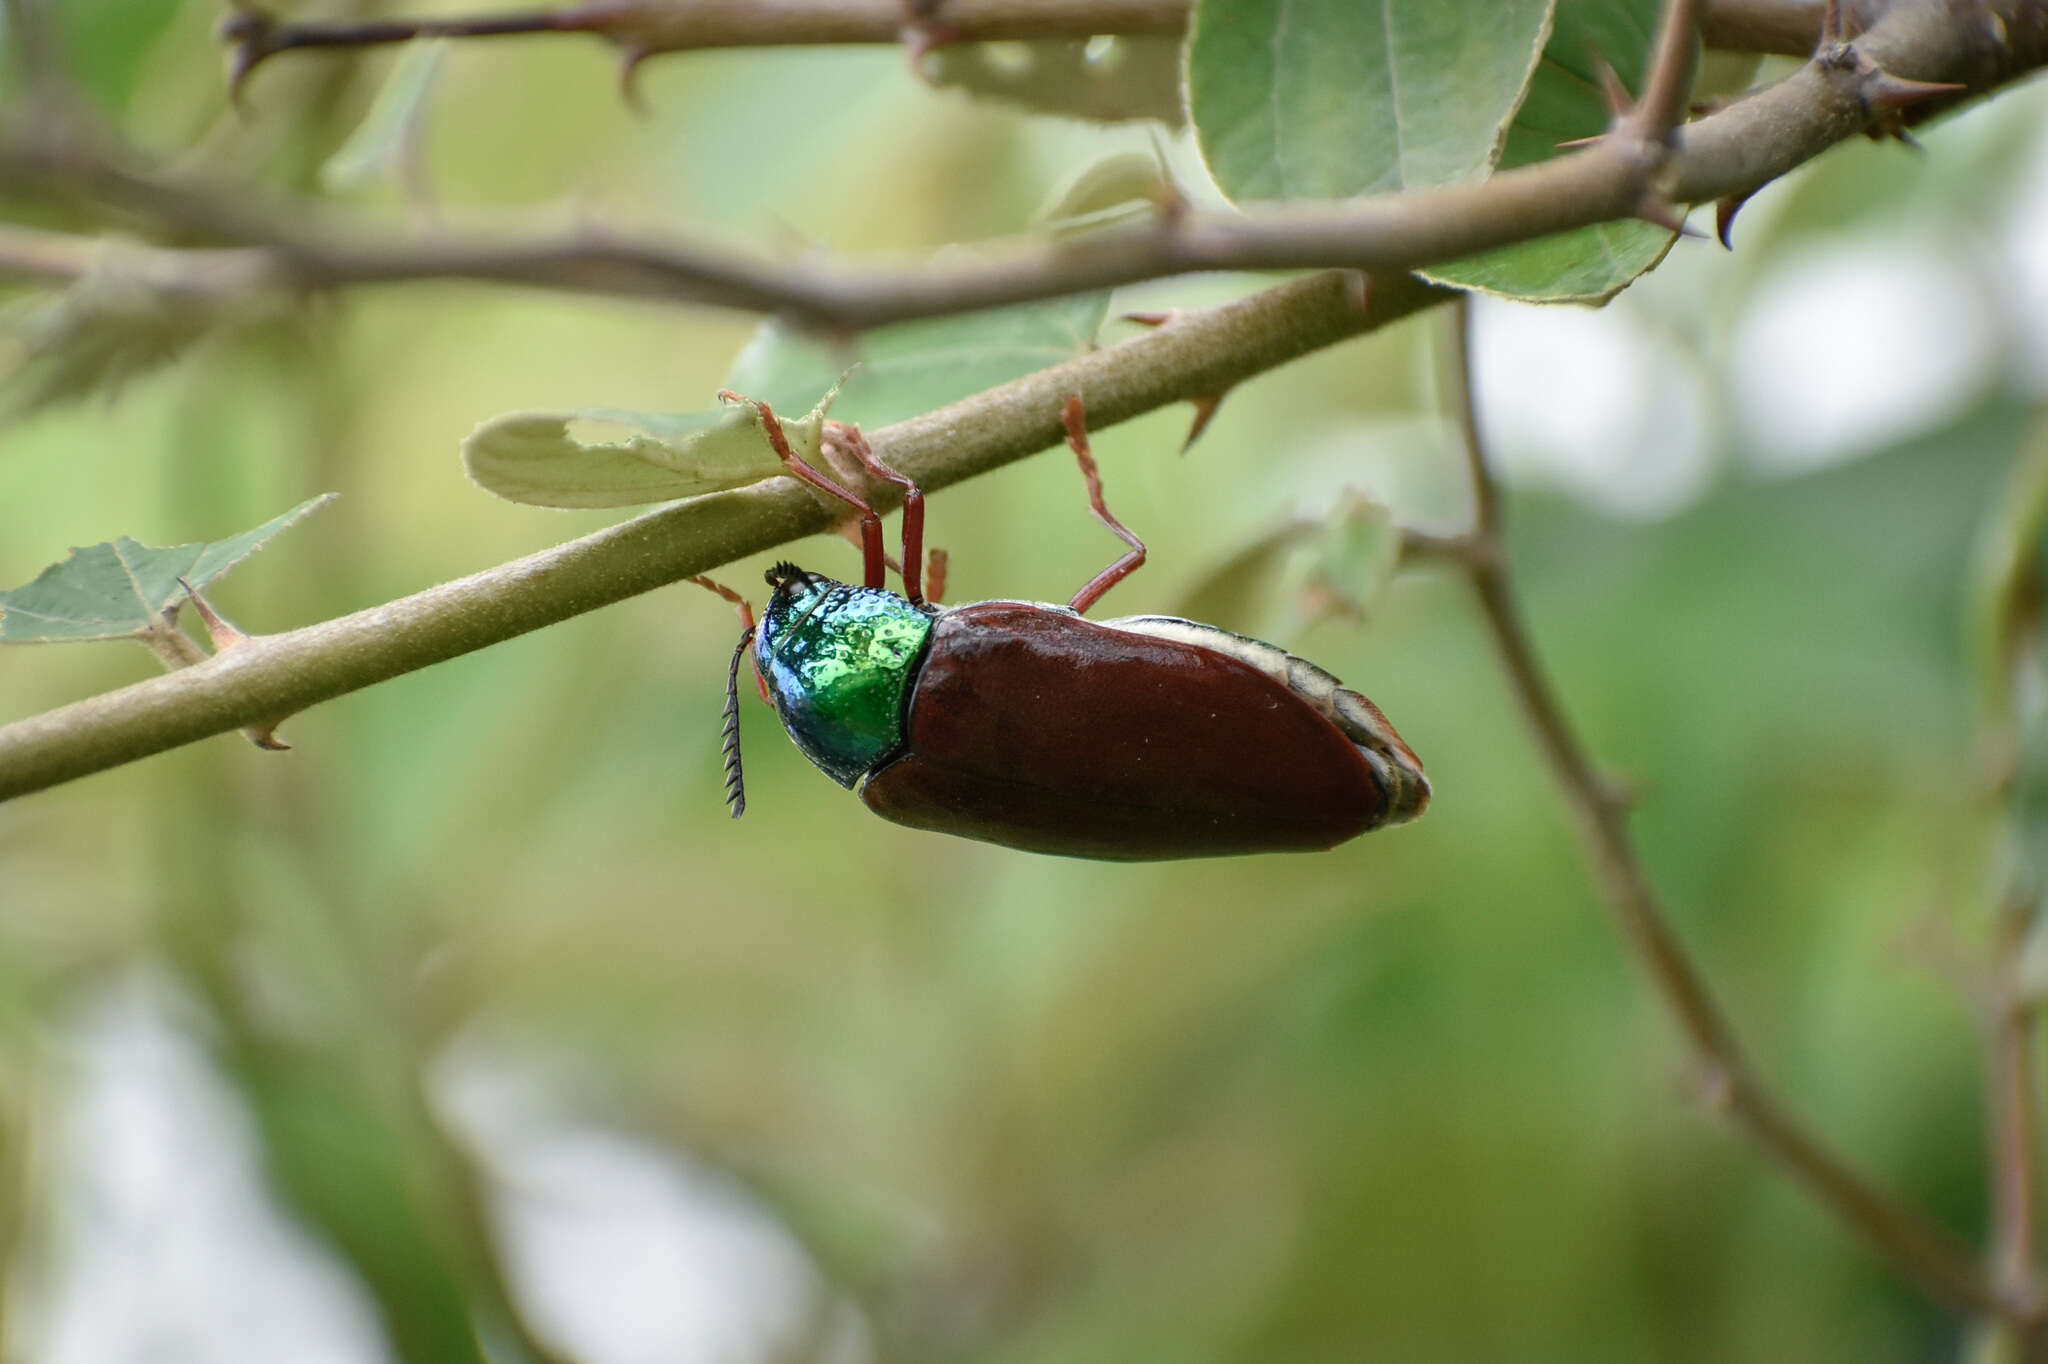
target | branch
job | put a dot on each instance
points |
(274, 675)
(1923, 1250)
(646, 28)
(1727, 154)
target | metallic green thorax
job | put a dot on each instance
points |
(839, 662)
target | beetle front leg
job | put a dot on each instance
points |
(870, 519)
(746, 610)
(1077, 438)
(855, 444)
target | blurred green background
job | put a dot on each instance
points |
(476, 1002)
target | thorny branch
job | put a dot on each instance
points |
(1724, 156)
(1924, 1251)
(644, 28)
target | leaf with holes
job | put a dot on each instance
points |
(119, 590)
(913, 367)
(598, 457)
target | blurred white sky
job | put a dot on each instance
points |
(166, 1246)
(1840, 345)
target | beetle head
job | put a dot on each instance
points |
(786, 575)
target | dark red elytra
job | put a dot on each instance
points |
(1027, 725)
(1042, 730)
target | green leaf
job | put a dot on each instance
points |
(1591, 264)
(120, 590)
(897, 372)
(1336, 564)
(1325, 99)
(1122, 188)
(598, 457)
(1103, 81)
(1356, 554)
(386, 141)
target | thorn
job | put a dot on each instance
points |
(630, 59)
(1205, 411)
(1661, 212)
(1577, 142)
(1725, 210)
(226, 637)
(223, 635)
(248, 32)
(1206, 405)
(1834, 23)
(1882, 90)
(923, 35)
(1620, 103)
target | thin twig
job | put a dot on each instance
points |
(1730, 152)
(1923, 1250)
(2015, 1171)
(275, 675)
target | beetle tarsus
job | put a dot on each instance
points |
(1076, 422)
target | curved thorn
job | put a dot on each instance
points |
(630, 59)
(1725, 210)
(249, 33)
(1205, 412)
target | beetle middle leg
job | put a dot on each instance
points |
(872, 556)
(746, 610)
(1077, 437)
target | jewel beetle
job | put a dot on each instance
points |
(1029, 725)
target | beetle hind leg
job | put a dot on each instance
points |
(1077, 438)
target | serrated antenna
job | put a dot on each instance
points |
(735, 780)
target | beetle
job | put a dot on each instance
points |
(1029, 725)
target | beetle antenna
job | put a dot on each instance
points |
(735, 780)
(789, 631)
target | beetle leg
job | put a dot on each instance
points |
(913, 509)
(870, 520)
(746, 611)
(1077, 437)
(935, 574)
